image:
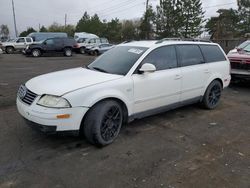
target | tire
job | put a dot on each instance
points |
(9, 50)
(36, 53)
(95, 53)
(103, 123)
(212, 95)
(67, 52)
(82, 50)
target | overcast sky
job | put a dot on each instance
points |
(45, 12)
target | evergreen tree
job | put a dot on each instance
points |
(146, 26)
(43, 29)
(226, 25)
(113, 30)
(28, 31)
(192, 17)
(244, 14)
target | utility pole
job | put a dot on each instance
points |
(14, 16)
(147, 20)
(147, 5)
(65, 23)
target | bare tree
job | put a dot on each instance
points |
(4, 31)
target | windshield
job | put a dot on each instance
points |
(118, 60)
(244, 44)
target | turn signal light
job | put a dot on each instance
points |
(63, 116)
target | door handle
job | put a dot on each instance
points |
(177, 77)
(206, 71)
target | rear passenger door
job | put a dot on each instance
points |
(194, 71)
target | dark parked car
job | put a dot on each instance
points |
(52, 45)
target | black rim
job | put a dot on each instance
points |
(214, 95)
(111, 123)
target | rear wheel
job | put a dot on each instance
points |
(9, 50)
(67, 52)
(212, 96)
(103, 123)
(36, 53)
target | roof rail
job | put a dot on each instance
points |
(182, 39)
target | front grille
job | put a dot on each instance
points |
(26, 95)
(239, 65)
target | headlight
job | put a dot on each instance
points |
(53, 102)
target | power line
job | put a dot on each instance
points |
(104, 15)
(220, 5)
(120, 5)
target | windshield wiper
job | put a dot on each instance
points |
(99, 69)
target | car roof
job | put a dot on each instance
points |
(155, 43)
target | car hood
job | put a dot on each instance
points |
(62, 82)
(7, 43)
(239, 56)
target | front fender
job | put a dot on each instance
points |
(121, 89)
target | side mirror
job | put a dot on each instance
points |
(147, 68)
(45, 43)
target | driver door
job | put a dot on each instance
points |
(49, 45)
(152, 91)
(20, 43)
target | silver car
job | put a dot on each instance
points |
(100, 49)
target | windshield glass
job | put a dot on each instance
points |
(244, 44)
(118, 60)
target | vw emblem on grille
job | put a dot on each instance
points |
(22, 91)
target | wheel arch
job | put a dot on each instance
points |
(210, 81)
(120, 102)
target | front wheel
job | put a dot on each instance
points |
(212, 96)
(9, 50)
(82, 50)
(67, 52)
(36, 53)
(103, 123)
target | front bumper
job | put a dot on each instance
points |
(237, 73)
(47, 117)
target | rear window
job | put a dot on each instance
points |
(212, 53)
(190, 55)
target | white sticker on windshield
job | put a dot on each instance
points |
(135, 51)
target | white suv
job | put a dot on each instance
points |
(131, 81)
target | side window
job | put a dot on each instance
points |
(98, 41)
(163, 58)
(50, 42)
(190, 55)
(104, 40)
(212, 53)
(21, 40)
(28, 40)
(92, 41)
(58, 42)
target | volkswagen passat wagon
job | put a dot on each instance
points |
(132, 80)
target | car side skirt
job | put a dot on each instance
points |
(166, 108)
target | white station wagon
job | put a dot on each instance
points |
(131, 81)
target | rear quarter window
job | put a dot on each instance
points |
(212, 53)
